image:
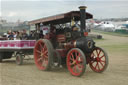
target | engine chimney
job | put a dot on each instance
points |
(83, 19)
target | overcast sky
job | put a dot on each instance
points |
(12, 10)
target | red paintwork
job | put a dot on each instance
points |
(61, 38)
(62, 52)
(69, 45)
(85, 33)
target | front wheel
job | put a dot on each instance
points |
(76, 62)
(98, 60)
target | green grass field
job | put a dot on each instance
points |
(111, 33)
(113, 43)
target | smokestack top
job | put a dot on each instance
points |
(82, 7)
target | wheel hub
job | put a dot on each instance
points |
(74, 62)
(98, 59)
(42, 54)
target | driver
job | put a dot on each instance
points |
(51, 34)
(76, 29)
(75, 32)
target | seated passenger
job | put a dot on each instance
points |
(24, 35)
(18, 35)
(10, 36)
(14, 35)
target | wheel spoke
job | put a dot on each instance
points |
(45, 48)
(45, 52)
(99, 53)
(101, 56)
(74, 68)
(40, 45)
(45, 56)
(80, 61)
(71, 64)
(92, 62)
(72, 57)
(78, 56)
(92, 55)
(38, 51)
(98, 66)
(80, 66)
(39, 59)
(102, 61)
(42, 49)
(46, 62)
(102, 64)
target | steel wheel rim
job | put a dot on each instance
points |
(41, 55)
(75, 63)
(98, 60)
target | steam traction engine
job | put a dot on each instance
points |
(68, 46)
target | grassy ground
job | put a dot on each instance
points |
(111, 33)
(116, 43)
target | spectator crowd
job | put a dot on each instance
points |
(16, 35)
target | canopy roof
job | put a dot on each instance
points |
(61, 18)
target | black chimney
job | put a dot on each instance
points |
(83, 19)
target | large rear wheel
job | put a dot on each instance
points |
(98, 60)
(76, 62)
(43, 54)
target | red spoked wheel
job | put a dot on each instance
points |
(76, 62)
(43, 54)
(98, 60)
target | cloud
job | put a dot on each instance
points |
(11, 14)
(29, 10)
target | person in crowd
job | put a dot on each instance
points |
(10, 35)
(18, 35)
(41, 34)
(32, 35)
(24, 35)
(14, 35)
